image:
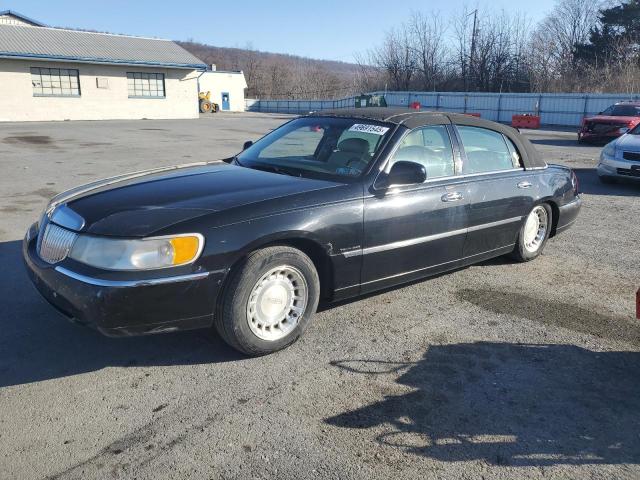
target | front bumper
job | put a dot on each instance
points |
(607, 135)
(619, 169)
(120, 307)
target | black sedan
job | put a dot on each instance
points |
(328, 206)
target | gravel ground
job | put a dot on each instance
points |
(500, 370)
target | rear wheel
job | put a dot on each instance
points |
(269, 301)
(533, 234)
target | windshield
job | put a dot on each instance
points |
(622, 111)
(330, 148)
(636, 130)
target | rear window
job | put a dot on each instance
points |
(622, 111)
(486, 151)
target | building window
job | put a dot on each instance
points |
(55, 82)
(145, 85)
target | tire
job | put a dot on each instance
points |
(250, 317)
(205, 107)
(526, 249)
(608, 180)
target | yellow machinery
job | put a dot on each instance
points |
(206, 105)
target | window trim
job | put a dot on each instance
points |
(147, 97)
(54, 95)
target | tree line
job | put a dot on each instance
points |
(580, 46)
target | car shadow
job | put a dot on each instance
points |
(37, 343)
(506, 404)
(562, 142)
(590, 184)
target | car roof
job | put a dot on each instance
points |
(411, 118)
(629, 102)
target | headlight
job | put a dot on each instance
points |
(609, 151)
(143, 254)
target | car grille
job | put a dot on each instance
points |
(54, 244)
(631, 155)
(629, 172)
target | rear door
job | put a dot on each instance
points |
(415, 230)
(501, 193)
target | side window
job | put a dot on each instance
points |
(429, 146)
(486, 150)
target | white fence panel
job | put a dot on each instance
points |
(554, 109)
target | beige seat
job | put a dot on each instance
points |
(352, 153)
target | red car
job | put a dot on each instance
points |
(616, 120)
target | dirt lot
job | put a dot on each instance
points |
(500, 370)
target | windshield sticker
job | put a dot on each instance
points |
(374, 129)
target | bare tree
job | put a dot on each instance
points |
(396, 58)
(555, 38)
(429, 47)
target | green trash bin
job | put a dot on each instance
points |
(362, 101)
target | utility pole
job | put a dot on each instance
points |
(474, 34)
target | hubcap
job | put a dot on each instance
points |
(535, 229)
(277, 302)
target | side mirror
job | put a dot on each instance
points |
(246, 145)
(599, 113)
(405, 173)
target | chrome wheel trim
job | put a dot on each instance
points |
(535, 229)
(277, 302)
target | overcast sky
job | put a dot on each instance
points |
(328, 29)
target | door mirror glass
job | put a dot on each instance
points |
(246, 145)
(406, 173)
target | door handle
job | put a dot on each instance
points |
(452, 197)
(525, 184)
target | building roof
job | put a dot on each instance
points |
(24, 18)
(89, 47)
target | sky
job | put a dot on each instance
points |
(328, 29)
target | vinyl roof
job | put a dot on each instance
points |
(88, 47)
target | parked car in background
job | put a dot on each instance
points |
(616, 120)
(328, 206)
(621, 158)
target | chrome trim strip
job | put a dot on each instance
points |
(412, 241)
(100, 282)
(494, 224)
(66, 217)
(428, 238)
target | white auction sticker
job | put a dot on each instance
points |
(374, 129)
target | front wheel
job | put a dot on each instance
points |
(269, 300)
(533, 234)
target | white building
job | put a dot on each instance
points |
(227, 89)
(56, 74)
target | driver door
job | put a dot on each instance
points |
(412, 231)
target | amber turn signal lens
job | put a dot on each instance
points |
(184, 249)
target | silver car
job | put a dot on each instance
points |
(621, 158)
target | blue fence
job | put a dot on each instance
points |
(565, 109)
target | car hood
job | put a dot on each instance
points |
(629, 143)
(611, 119)
(142, 203)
